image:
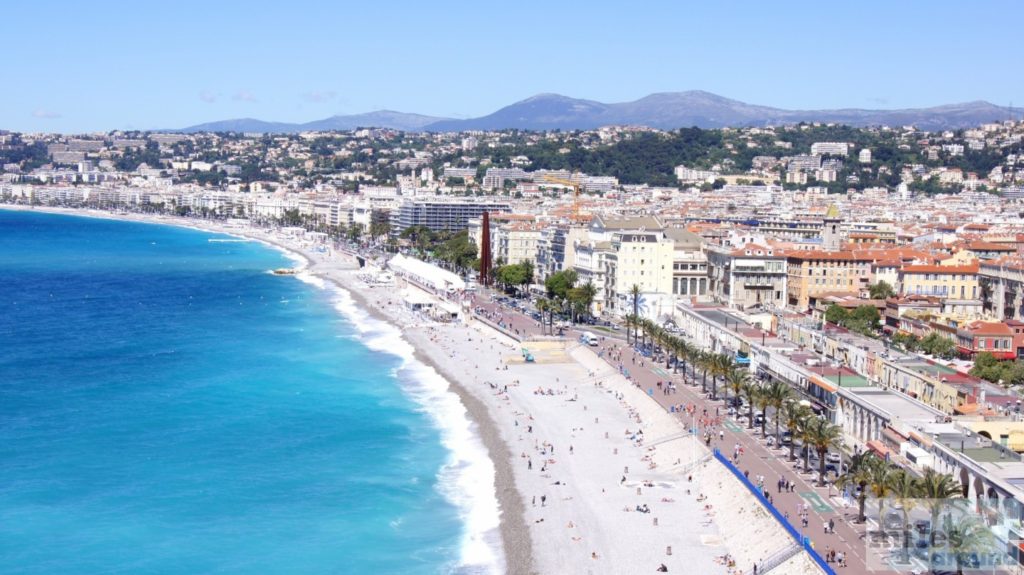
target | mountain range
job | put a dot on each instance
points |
(666, 110)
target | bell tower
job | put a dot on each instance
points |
(831, 231)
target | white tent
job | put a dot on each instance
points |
(426, 274)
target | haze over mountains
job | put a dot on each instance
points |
(666, 110)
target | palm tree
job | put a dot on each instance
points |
(721, 365)
(587, 293)
(647, 328)
(634, 292)
(736, 380)
(703, 360)
(680, 349)
(879, 483)
(905, 490)
(858, 475)
(763, 401)
(543, 305)
(778, 393)
(751, 390)
(937, 489)
(794, 415)
(630, 323)
(967, 536)
(656, 333)
(806, 433)
(670, 344)
(823, 436)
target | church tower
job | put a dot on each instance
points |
(831, 231)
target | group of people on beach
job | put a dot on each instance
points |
(708, 424)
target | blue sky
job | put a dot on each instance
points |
(104, 65)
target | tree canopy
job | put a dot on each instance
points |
(515, 275)
(864, 319)
(987, 367)
(558, 284)
(881, 290)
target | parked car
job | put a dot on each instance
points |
(833, 457)
(787, 437)
(893, 520)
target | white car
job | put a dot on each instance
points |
(833, 457)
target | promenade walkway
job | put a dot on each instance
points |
(822, 504)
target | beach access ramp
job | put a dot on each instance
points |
(542, 351)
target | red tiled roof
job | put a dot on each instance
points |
(930, 269)
(988, 328)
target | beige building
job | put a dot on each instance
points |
(689, 264)
(946, 281)
(751, 275)
(640, 258)
(517, 242)
(623, 252)
(815, 273)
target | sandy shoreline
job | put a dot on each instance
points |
(574, 510)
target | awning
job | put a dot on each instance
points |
(879, 449)
(893, 436)
(965, 409)
(827, 386)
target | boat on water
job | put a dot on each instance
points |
(284, 272)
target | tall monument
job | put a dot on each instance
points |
(485, 250)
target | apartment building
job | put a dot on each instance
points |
(993, 337)
(946, 281)
(813, 274)
(623, 252)
(689, 264)
(495, 178)
(466, 174)
(516, 242)
(640, 258)
(556, 248)
(1002, 287)
(745, 277)
(444, 213)
(690, 175)
(833, 148)
(591, 265)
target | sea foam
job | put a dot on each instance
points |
(467, 477)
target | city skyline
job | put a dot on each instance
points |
(303, 62)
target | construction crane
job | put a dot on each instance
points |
(575, 192)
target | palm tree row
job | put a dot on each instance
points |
(866, 473)
(871, 475)
(678, 351)
(798, 419)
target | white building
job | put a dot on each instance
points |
(832, 148)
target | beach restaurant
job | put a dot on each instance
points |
(426, 275)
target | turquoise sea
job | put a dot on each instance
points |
(168, 406)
